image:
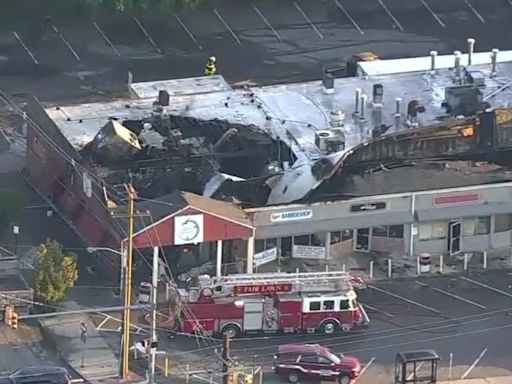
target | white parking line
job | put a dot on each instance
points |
(377, 310)
(451, 295)
(474, 364)
(308, 20)
(384, 6)
(477, 14)
(187, 31)
(350, 17)
(158, 50)
(267, 23)
(433, 13)
(485, 286)
(102, 323)
(403, 298)
(410, 377)
(227, 26)
(364, 369)
(107, 40)
(66, 42)
(25, 48)
(459, 298)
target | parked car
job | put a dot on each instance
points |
(37, 375)
(295, 362)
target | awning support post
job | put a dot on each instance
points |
(219, 258)
(250, 254)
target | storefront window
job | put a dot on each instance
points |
(502, 223)
(301, 240)
(380, 231)
(270, 243)
(259, 246)
(432, 230)
(347, 234)
(317, 240)
(476, 226)
(339, 236)
(396, 231)
(392, 231)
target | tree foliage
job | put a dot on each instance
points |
(55, 272)
(135, 5)
(10, 204)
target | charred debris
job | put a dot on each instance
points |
(164, 153)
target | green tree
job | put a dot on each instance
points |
(55, 272)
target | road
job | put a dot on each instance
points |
(255, 41)
(452, 314)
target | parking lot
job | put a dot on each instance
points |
(255, 42)
(466, 317)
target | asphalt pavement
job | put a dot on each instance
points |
(467, 317)
(262, 41)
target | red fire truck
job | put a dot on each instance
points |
(271, 302)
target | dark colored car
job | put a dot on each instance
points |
(295, 362)
(37, 375)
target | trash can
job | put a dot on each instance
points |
(425, 263)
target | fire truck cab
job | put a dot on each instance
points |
(298, 302)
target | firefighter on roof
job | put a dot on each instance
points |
(210, 68)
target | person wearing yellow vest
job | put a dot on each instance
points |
(210, 68)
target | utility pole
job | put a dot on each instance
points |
(226, 353)
(125, 361)
(153, 341)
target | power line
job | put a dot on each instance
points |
(399, 332)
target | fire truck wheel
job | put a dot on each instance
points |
(329, 326)
(231, 331)
(293, 377)
(344, 379)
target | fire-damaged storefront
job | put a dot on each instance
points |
(445, 221)
(193, 230)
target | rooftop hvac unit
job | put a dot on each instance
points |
(330, 141)
(321, 139)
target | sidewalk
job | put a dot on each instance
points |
(490, 380)
(64, 333)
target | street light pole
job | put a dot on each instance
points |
(16, 232)
(128, 286)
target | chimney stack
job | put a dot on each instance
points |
(357, 103)
(398, 104)
(458, 72)
(494, 61)
(471, 50)
(362, 116)
(433, 55)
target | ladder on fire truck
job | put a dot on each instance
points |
(301, 281)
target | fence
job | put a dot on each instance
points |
(440, 264)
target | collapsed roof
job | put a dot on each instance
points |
(280, 144)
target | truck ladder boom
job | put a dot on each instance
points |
(308, 281)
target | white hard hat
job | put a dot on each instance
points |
(212, 58)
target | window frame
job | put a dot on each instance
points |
(475, 224)
(333, 308)
(344, 301)
(381, 231)
(508, 220)
(432, 230)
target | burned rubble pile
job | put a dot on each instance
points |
(165, 153)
